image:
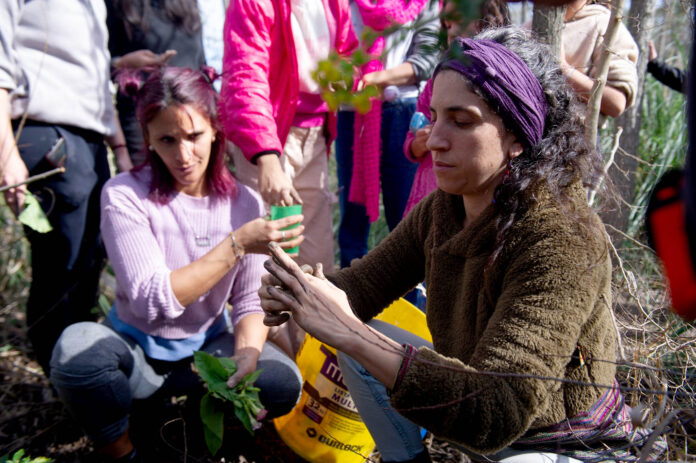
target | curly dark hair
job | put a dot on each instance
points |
(560, 158)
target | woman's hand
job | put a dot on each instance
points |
(318, 306)
(246, 360)
(254, 236)
(418, 145)
(142, 59)
(274, 185)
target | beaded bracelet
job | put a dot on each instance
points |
(408, 355)
(239, 253)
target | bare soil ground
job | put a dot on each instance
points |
(168, 430)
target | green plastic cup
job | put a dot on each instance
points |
(278, 212)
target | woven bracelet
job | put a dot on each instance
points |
(408, 355)
(237, 251)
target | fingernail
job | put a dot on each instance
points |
(273, 245)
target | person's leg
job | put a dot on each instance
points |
(97, 373)
(396, 172)
(280, 380)
(354, 226)
(66, 261)
(305, 162)
(397, 438)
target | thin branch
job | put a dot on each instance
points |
(595, 101)
(34, 178)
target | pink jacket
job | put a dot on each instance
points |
(260, 86)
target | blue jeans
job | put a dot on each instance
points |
(396, 176)
(67, 261)
(397, 438)
(98, 373)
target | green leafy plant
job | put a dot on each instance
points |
(19, 457)
(244, 397)
(33, 216)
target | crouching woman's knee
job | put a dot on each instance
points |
(85, 355)
(280, 382)
(89, 369)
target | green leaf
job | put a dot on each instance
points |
(33, 216)
(210, 369)
(212, 419)
(251, 377)
(243, 416)
(229, 365)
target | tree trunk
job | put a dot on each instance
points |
(547, 24)
(640, 24)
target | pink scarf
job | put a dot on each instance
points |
(364, 185)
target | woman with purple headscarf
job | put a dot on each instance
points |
(521, 367)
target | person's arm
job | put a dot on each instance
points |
(246, 109)
(250, 333)
(11, 165)
(613, 100)
(670, 76)
(424, 53)
(422, 58)
(548, 292)
(195, 279)
(140, 265)
(12, 168)
(117, 143)
(415, 147)
(402, 74)
(323, 310)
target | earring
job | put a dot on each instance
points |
(506, 175)
(149, 147)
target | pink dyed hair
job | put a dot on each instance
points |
(170, 86)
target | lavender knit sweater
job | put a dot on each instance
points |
(145, 241)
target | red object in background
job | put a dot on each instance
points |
(669, 238)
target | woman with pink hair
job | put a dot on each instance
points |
(184, 239)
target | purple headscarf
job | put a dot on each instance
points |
(505, 80)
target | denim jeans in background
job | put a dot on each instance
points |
(396, 176)
(98, 373)
(67, 261)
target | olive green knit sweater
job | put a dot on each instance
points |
(545, 300)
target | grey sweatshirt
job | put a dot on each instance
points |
(54, 62)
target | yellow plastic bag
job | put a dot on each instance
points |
(325, 427)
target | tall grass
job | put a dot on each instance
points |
(663, 142)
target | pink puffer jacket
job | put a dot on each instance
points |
(260, 85)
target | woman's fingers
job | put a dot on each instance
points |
(319, 273)
(275, 319)
(270, 280)
(286, 270)
(296, 197)
(287, 221)
(289, 244)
